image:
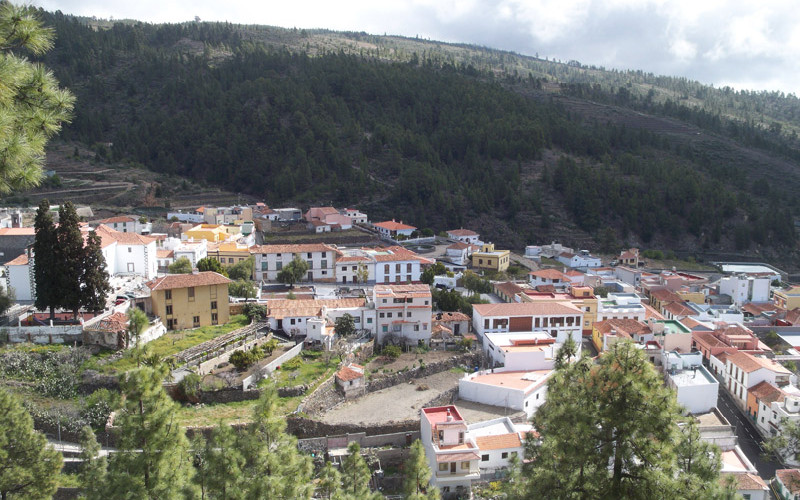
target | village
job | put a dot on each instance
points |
(381, 332)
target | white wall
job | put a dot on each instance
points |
(19, 279)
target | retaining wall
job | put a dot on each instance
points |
(272, 365)
(206, 366)
(469, 359)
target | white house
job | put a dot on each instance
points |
(549, 277)
(464, 236)
(270, 259)
(460, 252)
(743, 288)
(194, 250)
(397, 264)
(19, 278)
(498, 440)
(296, 317)
(557, 319)
(695, 387)
(774, 406)
(404, 314)
(128, 253)
(519, 390)
(533, 252)
(356, 216)
(392, 229)
(452, 455)
(580, 260)
(621, 306)
(745, 371)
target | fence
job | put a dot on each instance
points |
(272, 366)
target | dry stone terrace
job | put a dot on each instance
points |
(211, 348)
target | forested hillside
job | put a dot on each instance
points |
(524, 150)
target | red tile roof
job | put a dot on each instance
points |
(118, 219)
(350, 372)
(629, 326)
(790, 479)
(391, 225)
(299, 248)
(17, 231)
(550, 274)
(109, 235)
(526, 309)
(19, 261)
(203, 278)
(450, 316)
(462, 232)
(766, 392)
(664, 295)
(744, 481)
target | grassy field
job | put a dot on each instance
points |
(308, 372)
(175, 342)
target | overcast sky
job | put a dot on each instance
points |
(744, 44)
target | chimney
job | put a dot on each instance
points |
(449, 417)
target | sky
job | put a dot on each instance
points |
(743, 44)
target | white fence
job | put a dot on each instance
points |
(272, 366)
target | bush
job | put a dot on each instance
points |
(98, 406)
(189, 388)
(241, 359)
(254, 312)
(292, 364)
(392, 351)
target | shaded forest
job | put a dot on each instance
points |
(437, 139)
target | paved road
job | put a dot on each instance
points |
(749, 439)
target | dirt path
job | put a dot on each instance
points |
(400, 402)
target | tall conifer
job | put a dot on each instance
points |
(94, 280)
(70, 250)
(45, 263)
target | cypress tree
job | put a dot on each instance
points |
(94, 282)
(45, 264)
(30, 467)
(70, 250)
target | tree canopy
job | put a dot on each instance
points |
(182, 265)
(32, 106)
(612, 430)
(294, 271)
(211, 264)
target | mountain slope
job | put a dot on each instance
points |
(438, 134)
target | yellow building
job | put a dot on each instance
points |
(228, 252)
(190, 300)
(787, 299)
(693, 297)
(208, 232)
(489, 258)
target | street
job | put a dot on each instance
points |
(749, 438)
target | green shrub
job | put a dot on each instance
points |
(189, 388)
(241, 359)
(98, 406)
(392, 351)
(292, 364)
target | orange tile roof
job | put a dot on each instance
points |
(550, 274)
(202, 278)
(352, 258)
(450, 316)
(664, 295)
(394, 254)
(509, 288)
(117, 322)
(498, 442)
(391, 225)
(18, 261)
(458, 245)
(17, 231)
(790, 479)
(119, 218)
(744, 481)
(456, 457)
(526, 309)
(396, 289)
(678, 309)
(106, 233)
(462, 232)
(749, 363)
(350, 372)
(164, 254)
(628, 326)
(766, 392)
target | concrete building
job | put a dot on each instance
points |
(787, 483)
(403, 314)
(270, 259)
(464, 236)
(743, 288)
(19, 279)
(581, 260)
(518, 390)
(744, 371)
(552, 277)
(498, 440)
(621, 306)
(695, 387)
(785, 299)
(190, 300)
(296, 317)
(452, 455)
(557, 319)
(491, 259)
(392, 229)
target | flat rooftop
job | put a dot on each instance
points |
(747, 268)
(520, 380)
(710, 419)
(693, 377)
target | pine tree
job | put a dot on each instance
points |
(29, 467)
(45, 264)
(92, 474)
(32, 106)
(329, 482)
(417, 475)
(612, 431)
(94, 280)
(70, 252)
(137, 324)
(356, 475)
(153, 459)
(274, 467)
(220, 476)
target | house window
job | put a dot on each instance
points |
(264, 266)
(169, 310)
(416, 328)
(130, 249)
(324, 263)
(168, 294)
(464, 465)
(425, 327)
(388, 315)
(291, 321)
(213, 292)
(191, 293)
(485, 458)
(172, 324)
(386, 269)
(408, 314)
(214, 318)
(504, 455)
(381, 315)
(278, 266)
(196, 320)
(397, 268)
(369, 320)
(408, 268)
(213, 304)
(308, 255)
(443, 467)
(385, 328)
(426, 302)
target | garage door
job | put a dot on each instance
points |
(524, 324)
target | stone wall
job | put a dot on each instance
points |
(304, 427)
(236, 394)
(208, 365)
(468, 359)
(323, 399)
